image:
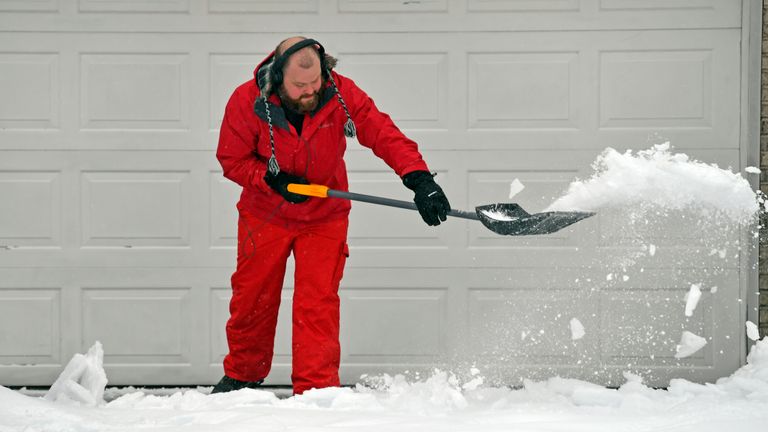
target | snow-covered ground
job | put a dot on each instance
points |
(440, 403)
(639, 184)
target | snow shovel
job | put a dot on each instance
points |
(502, 218)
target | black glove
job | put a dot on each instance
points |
(280, 183)
(430, 199)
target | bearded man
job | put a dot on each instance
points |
(289, 125)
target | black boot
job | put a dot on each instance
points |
(227, 384)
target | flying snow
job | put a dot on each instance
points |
(657, 176)
(692, 299)
(752, 331)
(689, 344)
(577, 329)
(515, 188)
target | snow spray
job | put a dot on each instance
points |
(669, 238)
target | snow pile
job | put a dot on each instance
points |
(83, 380)
(750, 382)
(442, 392)
(657, 177)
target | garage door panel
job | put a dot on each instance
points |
(30, 319)
(375, 312)
(523, 90)
(138, 325)
(31, 209)
(419, 100)
(127, 209)
(374, 6)
(642, 328)
(108, 6)
(134, 91)
(31, 81)
(643, 318)
(519, 323)
(659, 5)
(523, 5)
(656, 89)
(28, 6)
(263, 6)
(684, 90)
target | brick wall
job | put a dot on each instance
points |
(764, 177)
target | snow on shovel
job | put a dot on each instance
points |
(502, 218)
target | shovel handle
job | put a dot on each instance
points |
(324, 192)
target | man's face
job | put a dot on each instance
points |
(301, 87)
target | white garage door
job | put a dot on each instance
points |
(116, 224)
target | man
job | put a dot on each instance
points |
(288, 125)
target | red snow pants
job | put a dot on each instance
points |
(320, 252)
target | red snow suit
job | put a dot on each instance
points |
(315, 231)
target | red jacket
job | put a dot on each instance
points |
(317, 155)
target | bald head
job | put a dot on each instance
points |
(304, 58)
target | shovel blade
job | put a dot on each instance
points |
(511, 219)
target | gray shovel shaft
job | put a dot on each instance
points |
(394, 203)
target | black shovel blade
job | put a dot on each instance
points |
(511, 219)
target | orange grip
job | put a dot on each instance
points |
(314, 190)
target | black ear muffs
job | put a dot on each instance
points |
(277, 65)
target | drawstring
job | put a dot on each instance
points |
(349, 127)
(272, 165)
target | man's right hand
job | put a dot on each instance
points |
(280, 184)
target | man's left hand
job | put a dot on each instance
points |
(432, 203)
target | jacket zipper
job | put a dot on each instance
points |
(309, 156)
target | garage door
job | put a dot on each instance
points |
(116, 224)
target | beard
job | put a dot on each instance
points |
(302, 105)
